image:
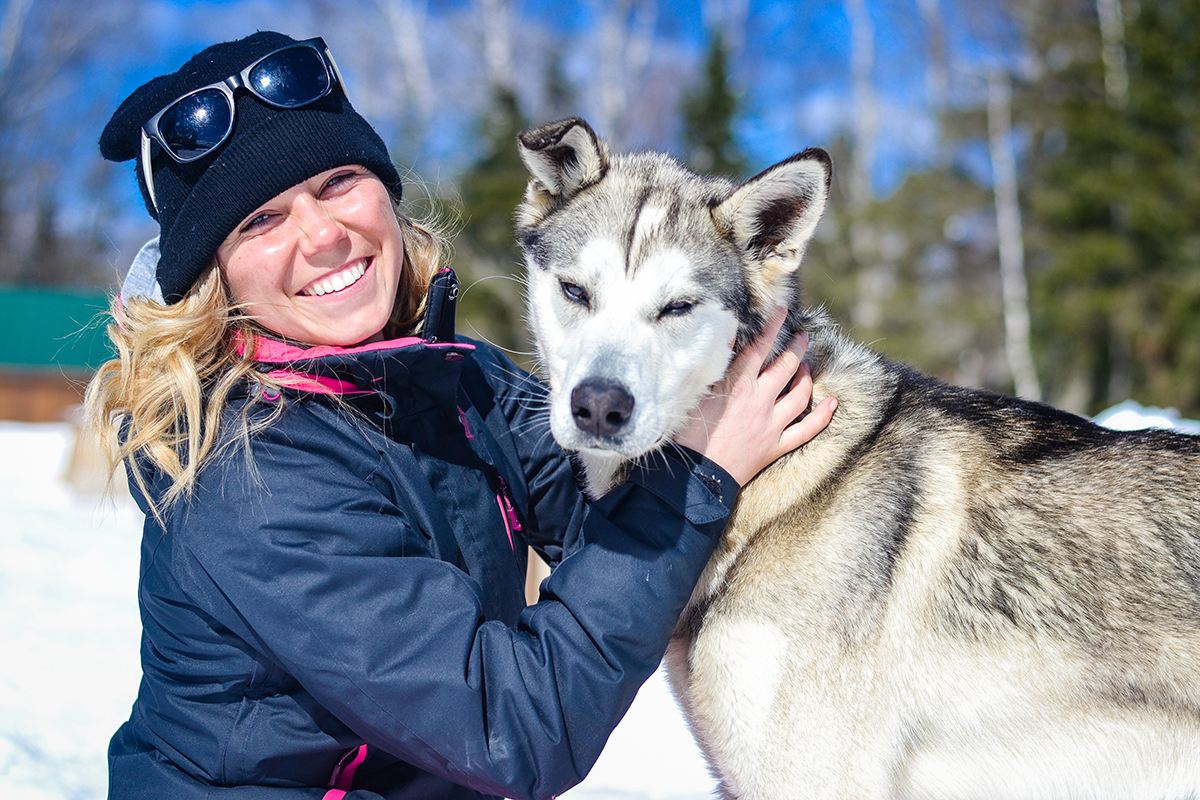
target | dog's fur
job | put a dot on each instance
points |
(947, 593)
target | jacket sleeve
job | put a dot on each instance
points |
(297, 555)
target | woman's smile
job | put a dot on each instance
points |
(338, 281)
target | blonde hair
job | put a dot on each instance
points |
(163, 397)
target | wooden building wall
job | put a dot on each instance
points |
(40, 395)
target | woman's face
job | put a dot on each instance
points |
(319, 263)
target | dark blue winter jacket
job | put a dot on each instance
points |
(341, 608)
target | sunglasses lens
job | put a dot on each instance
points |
(196, 124)
(290, 78)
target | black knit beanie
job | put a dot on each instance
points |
(270, 150)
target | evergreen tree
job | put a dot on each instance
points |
(494, 184)
(708, 115)
(1111, 199)
(487, 259)
(936, 302)
(1116, 192)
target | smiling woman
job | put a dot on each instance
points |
(341, 494)
(319, 263)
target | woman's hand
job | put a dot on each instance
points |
(745, 423)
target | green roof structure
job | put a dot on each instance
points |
(52, 329)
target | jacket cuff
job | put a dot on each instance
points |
(698, 488)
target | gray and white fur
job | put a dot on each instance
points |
(945, 594)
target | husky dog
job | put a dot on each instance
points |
(945, 594)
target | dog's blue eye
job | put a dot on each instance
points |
(676, 309)
(575, 292)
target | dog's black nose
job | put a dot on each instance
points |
(601, 407)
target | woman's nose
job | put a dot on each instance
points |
(319, 228)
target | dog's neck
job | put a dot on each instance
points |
(823, 335)
(822, 332)
(602, 471)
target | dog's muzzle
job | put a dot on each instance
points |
(601, 407)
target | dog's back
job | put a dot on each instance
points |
(953, 594)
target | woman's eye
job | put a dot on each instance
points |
(575, 292)
(257, 221)
(339, 181)
(677, 308)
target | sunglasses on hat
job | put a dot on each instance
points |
(200, 121)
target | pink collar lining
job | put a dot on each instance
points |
(273, 351)
(315, 384)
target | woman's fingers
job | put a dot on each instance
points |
(783, 371)
(794, 402)
(808, 426)
(759, 413)
(749, 363)
(800, 424)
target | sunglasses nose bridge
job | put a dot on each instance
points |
(235, 82)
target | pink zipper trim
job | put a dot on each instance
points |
(507, 523)
(508, 511)
(462, 418)
(342, 779)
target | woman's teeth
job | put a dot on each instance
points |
(338, 281)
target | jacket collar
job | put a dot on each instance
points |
(380, 366)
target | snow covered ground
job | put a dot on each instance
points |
(68, 620)
(69, 637)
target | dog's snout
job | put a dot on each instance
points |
(601, 407)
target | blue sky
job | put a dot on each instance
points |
(795, 74)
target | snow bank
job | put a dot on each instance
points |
(69, 630)
(1129, 416)
(68, 620)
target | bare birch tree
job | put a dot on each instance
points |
(13, 23)
(496, 16)
(43, 51)
(729, 17)
(936, 79)
(1112, 35)
(1011, 241)
(1116, 92)
(406, 22)
(624, 46)
(862, 66)
(874, 277)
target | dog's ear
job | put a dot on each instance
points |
(773, 215)
(562, 158)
